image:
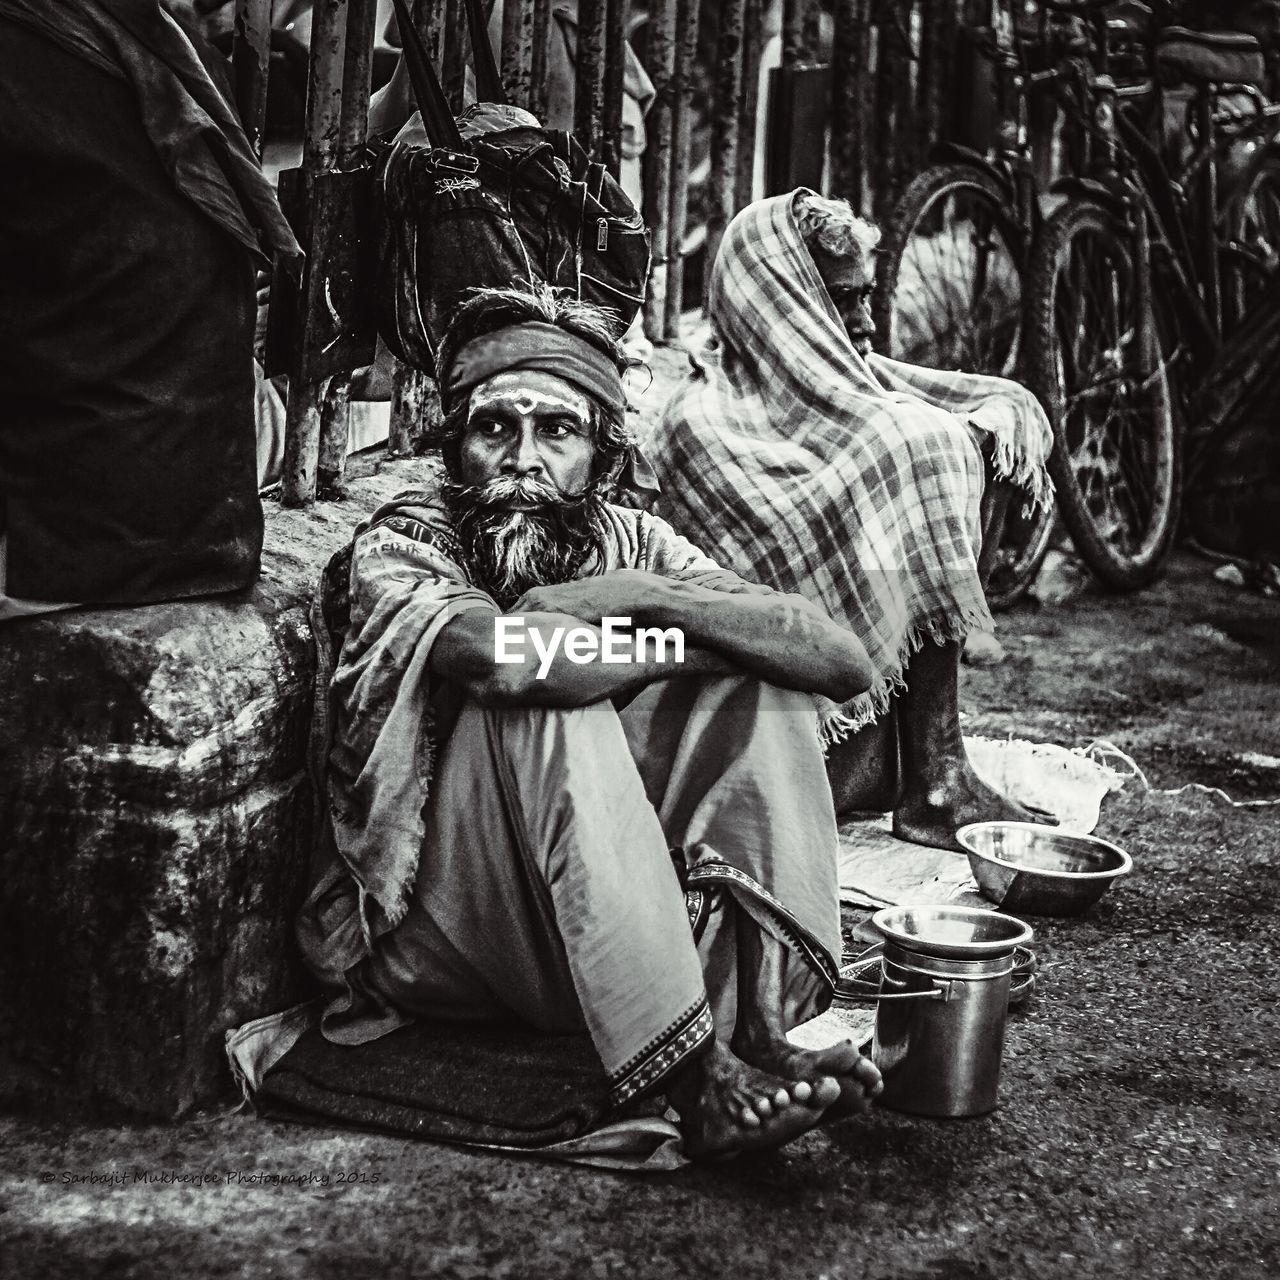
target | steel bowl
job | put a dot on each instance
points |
(1041, 871)
(952, 932)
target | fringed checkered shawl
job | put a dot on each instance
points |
(855, 482)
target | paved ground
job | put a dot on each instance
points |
(1137, 1135)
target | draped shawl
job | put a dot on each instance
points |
(853, 481)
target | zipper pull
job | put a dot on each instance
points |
(602, 235)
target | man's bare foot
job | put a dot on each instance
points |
(932, 814)
(728, 1107)
(858, 1077)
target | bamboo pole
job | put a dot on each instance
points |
(429, 17)
(335, 408)
(910, 143)
(657, 163)
(543, 32)
(408, 397)
(319, 155)
(848, 59)
(618, 13)
(517, 51)
(453, 62)
(335, 431)
(250, 58)
(937, 52)
(886, 67)
(588, 85)
(682, 130)
(726, 101)
(800, 32)
(892, 106)
(356, 82)
(869, 59)
(749, 101)
(324, 85)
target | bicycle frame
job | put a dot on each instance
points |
(1178, 217)
(1010, 160)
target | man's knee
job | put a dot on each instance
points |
(534, 733)
(752, 703)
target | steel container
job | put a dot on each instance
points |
(943, 1003)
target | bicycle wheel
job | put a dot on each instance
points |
(1024, 542)
(949, 273)
(1096, 359)
(948, 294)
(1252, 253)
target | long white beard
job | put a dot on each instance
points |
(510, 552)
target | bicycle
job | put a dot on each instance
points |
(1137, 280)
(951, 269)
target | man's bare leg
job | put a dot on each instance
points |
(863, 769)
(941, 792)
(760, 1036)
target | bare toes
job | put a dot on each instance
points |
(825, 1091)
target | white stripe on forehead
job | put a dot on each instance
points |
(530, 392)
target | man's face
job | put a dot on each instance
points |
(529, 426)
(849, 284)
(525, 510)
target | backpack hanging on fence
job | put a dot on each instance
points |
(492, 199)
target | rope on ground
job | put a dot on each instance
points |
(1103, 751)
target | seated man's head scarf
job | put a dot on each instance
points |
(853, 480)
(546, 330)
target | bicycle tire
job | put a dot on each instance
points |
(1108, 396)
(1251, 255)
(920, 215)
(1024, 541)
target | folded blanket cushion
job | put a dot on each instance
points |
(498, 1085)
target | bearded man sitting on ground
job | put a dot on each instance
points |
(646, 850)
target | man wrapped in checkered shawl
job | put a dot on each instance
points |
(853, 481)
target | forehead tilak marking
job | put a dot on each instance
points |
(528, 400)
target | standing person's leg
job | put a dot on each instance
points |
(546, 891)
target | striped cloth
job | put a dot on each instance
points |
(855, 482)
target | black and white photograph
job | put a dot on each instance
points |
(640, 638)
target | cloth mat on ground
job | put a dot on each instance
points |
(500, 1088)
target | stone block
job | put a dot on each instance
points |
(156, 828)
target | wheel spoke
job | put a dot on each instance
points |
(958, 273)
